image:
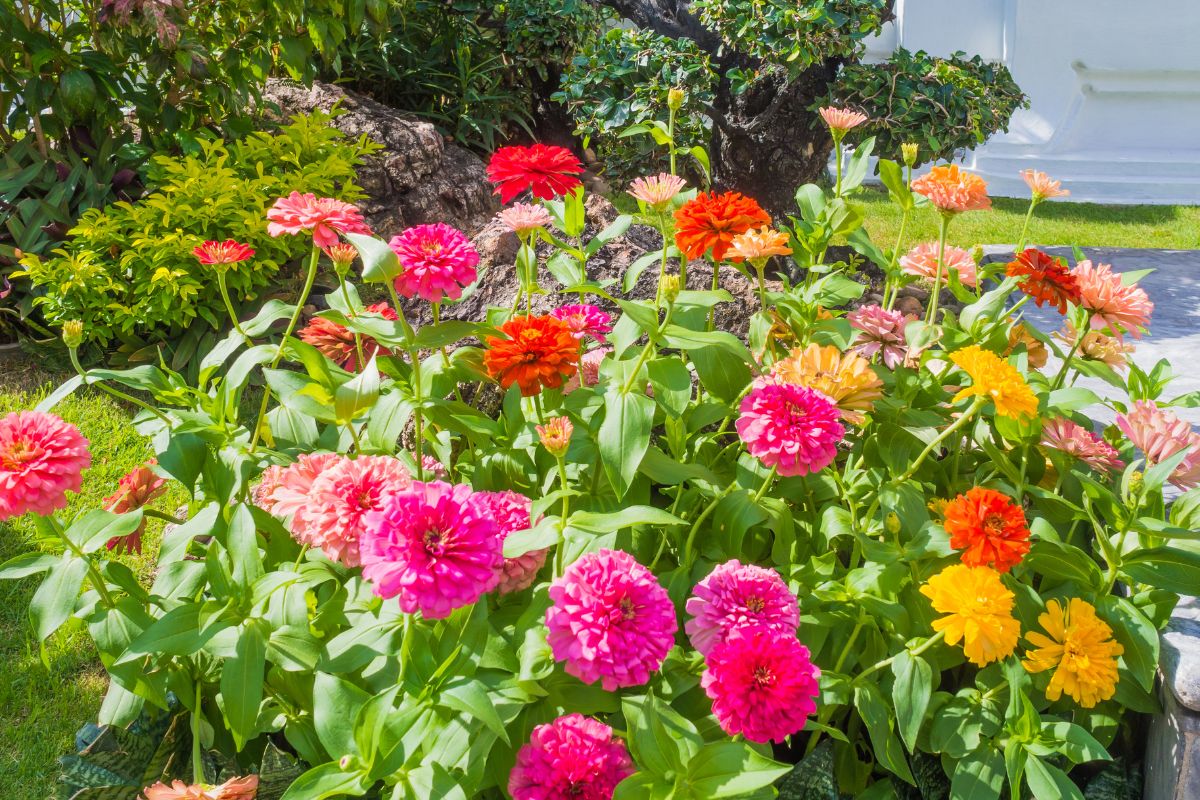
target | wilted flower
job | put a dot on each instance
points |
(1122, 307)
(1159, 434)
(841, 120)
(134, 490)
(845, 378)
(996, 379)
(336, 341)
(658, 190)
(792, 428)
(521, 218)
(953, 189)
(882, 332)
(546, 170)
(1045, 279)
(438, 261)
(1042, 187)
(1097, 346)
(222, 254)
(735, 596)
(709, 223)
(1067, 437)
(555, 435)
(922, 261)
(1035, 351)
(573, 758)
(978, 612)
(325, 217)
(535, 352)
(988, 527)
(1079, 649)
(41, 459)
(585, 319)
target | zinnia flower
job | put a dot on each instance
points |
(953, 190)
(555, 435)
(735, 596)
(511, 514)
(842, 119)
(978, 609)
(1044, 278)
(922, 261)
(336, 341)
(988, 527)
(520, 218)
(1036, 353)
(233, 789)
(573, 758)
(222, 254)
(438, 262)
(342, 255)
(792, 428)
(845, 378)
(546, 170)
(1122, 307)
(538, 352)
(658, 190)
(1159, 434)
(134, 490)
(283, 491)
(759, 245)
(1097, 346)
(1042, 187)
(1065, 436)
(763, 684)
(611, 620)
(340, 500)
(882, 332)
(589, 369)
(1079, 649)
(994, 378)
(41, 459)
(324, 216)
(709, 222)
(585, 320)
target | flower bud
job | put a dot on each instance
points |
(1136, 481)
(891, 523)
(675, 98)
(342, 255)
(555, 435)
(908, 151)
(72, 333)
(669, 286)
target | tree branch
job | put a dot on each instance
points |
(666, 18)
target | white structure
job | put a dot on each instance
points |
(1114, 87)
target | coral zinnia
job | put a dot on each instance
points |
(283, 491)
(763, 684)
(658, 190)
(735, 596)
(1044, 278)
(340, 499)
(41, 459)
(953, 189)
(922, 261)
(438, 262)
(709, 222)
(546, 170)
(1042, 186)
(324, 216)
(845, 378)
(222, 254)
(995, 378)
(233, 789)
(757, 246)
(435, 546)
(573, 758)
(611, 620)
(511, 513)
(555, 435)
(792, 428)
(882, 332)
(1080, 649)
(521, 218)
(842, 119)
(978, 609)
(988, 527)
(336, 341)
(1160, 434)
(341, 255)
(538, 351)
(585, 320)
(136, 488)
(1067, 437)
(1124, 308)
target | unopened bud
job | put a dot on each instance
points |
(908, 151)
(1136, 481)
(555, 435)
(675, 98)
(345, 762)
(891, 523)
(670, 286)
(342, 255)
(72, 333)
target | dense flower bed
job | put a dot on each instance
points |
(674, 563)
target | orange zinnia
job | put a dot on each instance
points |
(1044, 278)
(711, 221)
(953, 190)
(988, 527)
(537, 352)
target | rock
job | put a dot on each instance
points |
(909, 305)
(1173, 749)
(416, 178)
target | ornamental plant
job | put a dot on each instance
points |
(857, 550)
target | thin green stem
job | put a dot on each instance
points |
(93, 573)
(766, 484)
(943, 436)
(1025, 227)
(892, 284)
(837, 149)
(1066, 365)
(358, 346)
(237, 326)
(690, 542)
(935, 294)
(117, 393)
(197, 750)
(559, 556)
(887, 662)
(671, 136)
(156, 514)
(418, 419)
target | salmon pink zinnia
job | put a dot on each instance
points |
(547, 170)
(438, 262)
(736, 596)
(922, 261)
(521, 218)
(138, 487)
(573, 758)
(1160, 434)
(342, 497)
(658, 190)
(1123, 308)
(324, 216)
(336, 341)
(283, 490)
(842, 119)
(792, 428)
(511, 513)
(1067, 437)
(233, 789)
(41, 459)
(1042, 186)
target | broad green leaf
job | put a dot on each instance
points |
(1048, 782)
(881, 729)
(1165, 568)
(911, 693)
(978, 776)
(242, 682)
(731, 769)
(379, 262)
(624, 435)
(55, 598)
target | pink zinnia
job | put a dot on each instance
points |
(882, 332)
(792, 428)
(736, 596)
(524, 217)
(658, 190)
(763, 684)
(585, 320)
(1159, 434)
(1067, 437)
(283, 491)
(435, 547)
(842, 119)
(611, 620)
(438, 262)
(511, 513)
(233, 789)
(342, 497)
(138, 487)
(922, 261)
(573, 758)
(324, 216)
(589, 369)
(41, 459)
(431, 466)
(1123, 308)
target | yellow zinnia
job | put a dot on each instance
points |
(978, 611)
(845, 378)
(1081, 651)
(995, 378)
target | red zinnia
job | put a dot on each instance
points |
(546, 170)
(711, 221)
(1045, 279)
(336, 341)
(988, 527)
(538, 351)
(222, 253)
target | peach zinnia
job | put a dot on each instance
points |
(1122, 307)
(535, 352)
(759, 245)
(1042, 186)
(658, 190)
(953, 189)
(842, 119)
(709, 223)
(922, 261)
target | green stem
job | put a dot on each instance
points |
(93, 573)
(662, 267)
(943, 436)
(766, 484)
(708, 510)
(117, 393)
(837, 148)
(197, 754)
(1025, 228)
(892, 284)
(887, 662)
(943, 227)
(150, 512)
(418, 420)
(559, 556)
(228, 303)
(671, 136)
(358, 347)
(760, 266)
(1066, 365)
(716, 284)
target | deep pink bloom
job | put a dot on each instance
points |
(283, 491)
(435, 547)
(792, 428)
(438, 262)
(589, 369)
(1159, 434)
(511, 513)
(736, 596)
(1067, 437)
(324, 216)
(222, 253)
(342, 497)
(547, 170)
(136, 488)
(524, 217)
(611, 620)
(1121, 307)
(573, 758)
(585, 320)
(41, 459)
(763, 684)
(882, 332)
(922, 261)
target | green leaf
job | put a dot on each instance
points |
(1048, 782)
(447, 332)
(608, 522)
(1076, 743)
(685, 339)
(978, 776)
(1064, 562)
(470, 697)
(379, 262)
(357, 394)
(722, 373)
(913, 688)
(1137, 635)
(242, 682)
(387, 421)
(672, 385)
(335, 707)
(624, 435)
(731, 769)
(55, 598)
(1165, 568)
(325, 781)
(874, 712)
(891, 175)
(27, 564)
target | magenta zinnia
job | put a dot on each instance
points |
(511, 513)
(585, 320)
(1123, 308)
(573, 758)
(438, 262)
(880, 332)
(435, 547)
(340, 499)
(325, 217)
(792, 428)
(1065, 436)
(735, 596)
(41, 459)
(611, 620)
(1159, 434)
